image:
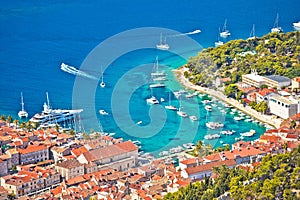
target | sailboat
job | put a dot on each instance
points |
(225, 33)
(276, 28)
(252, 33)
(170, 107)
(157, 76)
(102, 84)
(162, 45)
(152, 99)
(219, 42)
(181, 113)
(22, 113)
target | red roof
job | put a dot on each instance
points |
(297, 79)
(266, 91)
(191, 161)
(32, 148)
(209, 166)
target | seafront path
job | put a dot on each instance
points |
(269, 119)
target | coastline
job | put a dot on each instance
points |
(271, 120)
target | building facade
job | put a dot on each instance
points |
(33, 154)
(70, 168)
(283, 107)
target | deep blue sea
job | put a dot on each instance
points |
(37, 36)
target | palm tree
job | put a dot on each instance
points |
(2, 117)
(8, 119)
(16, 122)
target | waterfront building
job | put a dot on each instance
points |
(283, 107)
(265, 94)
(273, 81)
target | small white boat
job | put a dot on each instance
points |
(152, 100)
(162, 100)
(189, 95)
(170, 107)
(103, 112)
(163, 153)
(162, 78)
(188, 145)
(248, 120)
(163, 44)
(218, 43)
(249, 133)
(208, 108)
(238, 118)
(22, 113)
(136, 142)
(139, 122)
(227, 132)
(193, 118)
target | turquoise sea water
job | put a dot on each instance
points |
(37, 36)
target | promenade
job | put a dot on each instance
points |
(268, 119)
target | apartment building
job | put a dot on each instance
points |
(70, 168)
(33, 154)
(283, 107)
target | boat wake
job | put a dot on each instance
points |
(189, 33)
(72, 70)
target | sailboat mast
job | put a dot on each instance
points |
(48, 100)
(160, 38)
(22, 102)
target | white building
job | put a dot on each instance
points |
(273, 81)
(283, 107)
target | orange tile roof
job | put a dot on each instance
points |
(266, 91)
(110, 151)
(297, 79)
(77, 152)
(191, 161)
(209, 166)
(72, 163)
(75, 180)
(270, 138)
(32, 148)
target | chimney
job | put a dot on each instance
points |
(197, 161)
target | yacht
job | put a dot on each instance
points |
(181, 113)
(22, 113)
(170, 107)
(227, 132)
(276, 28)
(225, 33)
(214, 125)
(157, 85)
(211, 136)
(53, 116)
(103, 112)
(162, 78)
(249, 133)
(163, 45)
(73, 70)
(296, 25)
(152, 100)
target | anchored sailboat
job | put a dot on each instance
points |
(252, 33)
(102, 84)
(225, 33)
(276, 28)
(170, 107)
(157, 76)
(163, 44)
(22, 113)
(219, 42)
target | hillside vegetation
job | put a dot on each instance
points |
(272, 54)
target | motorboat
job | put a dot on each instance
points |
(193, 118)
(181, 113)
(170, 107)
(152, 100)
(296, 25)
(249, 133)
(211, 136)
(157, 85)
(208, 108)
(214, 125)
(103, 112)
